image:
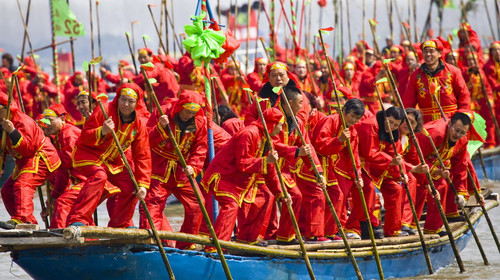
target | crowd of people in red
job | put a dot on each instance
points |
(58, 134)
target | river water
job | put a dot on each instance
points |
(470, 255)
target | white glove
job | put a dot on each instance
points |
(460, 200)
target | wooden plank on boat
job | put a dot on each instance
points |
(27, 227)
(37, 241)
(15, 233)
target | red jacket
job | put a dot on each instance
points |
(453, 94)
(237, 165)
(167, 83)
(376, 155)
(193, 143)
(32, 147)
(92, 149)
(452, 156)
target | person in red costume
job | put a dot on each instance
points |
(189, 125)
(402, 75)
(256, 78)
(277, 75)
(305, 81)
(125, 71)
(66, 181)
(233, 170)
(409, 153)
(351, 77)
(463, 45)
(436, 75)
(234, 84)
(167, 86)
(96, 156)
(449, 138)
(329, 139)
(380, 170)
(492, 73)
(35, 160)
(475, 77)
(290, 148)
(229, 121)
(41, 94)
(72, 88)
(83, 106)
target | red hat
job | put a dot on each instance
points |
(4, 99)
(147, 51)
(135, 91)
(272, 116)
(56, 110)
(123, 62)
(495, 44)
(434, 43)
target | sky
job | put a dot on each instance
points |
(116, 16)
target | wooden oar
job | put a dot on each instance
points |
(405, 185)
(480, 201)
(156, 28)
(433, 189)
(143, 204)
(325, 193)
(190, 177)
(286, 196)
(131, 52)
(353, 161)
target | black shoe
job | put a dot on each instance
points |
(271, 242)
(291, 242)
(260, 242)
(403, 233)
(442, 233)
(365, 233)
(459, 218)
(10, 224)
(408, 230)
(378, 233)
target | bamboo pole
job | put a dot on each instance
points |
(249, 9)
(405, 185)
(131, 52)
(167, 40)
(356, 175)
(143, 204)
(25, 32)
(190, 177)
(156, 28)
(286, 196)
(98, 28)
(319, 180)
(433, 190)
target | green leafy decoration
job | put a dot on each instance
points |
(203, 44)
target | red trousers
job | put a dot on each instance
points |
(338, 194)
(286, 231)
(156, 199)
(17, 195)
(433, 221)
(226, 220)
(393, 194)
(357, 212)
(253, 218)
(120, 211)
(63, 204)
(313, 208)
(407, 214)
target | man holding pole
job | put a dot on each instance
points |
(97, 157)
(448, 137)
(35, 158)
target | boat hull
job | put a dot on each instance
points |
(144, 262)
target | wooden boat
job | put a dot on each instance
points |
(105, 253)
